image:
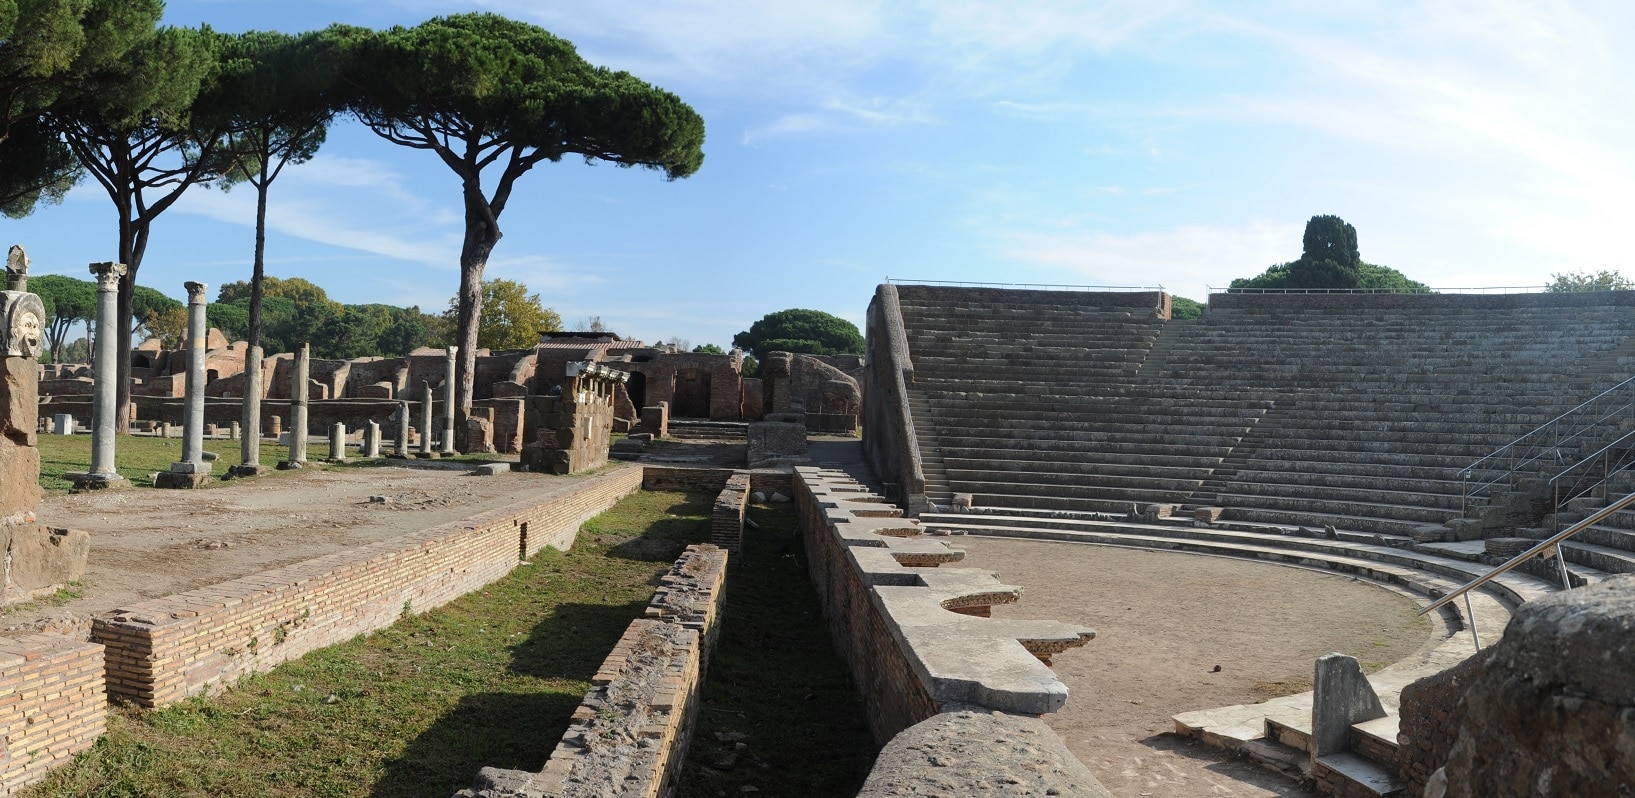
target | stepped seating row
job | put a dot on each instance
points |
(1271, 414)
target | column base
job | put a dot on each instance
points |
(291, 465)
(90, 482)
(248, 470)
(179, 480)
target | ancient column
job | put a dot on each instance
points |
(192, 471)
(448, 401)
(105, 402)
(425, 419)
(337, 443)
(298, 409)
(371, 440)
(402, 417)
(249, 446)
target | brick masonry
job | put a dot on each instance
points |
(727, 519)
(193, 643)
(52, 705)
(631, 733)
(766, 480)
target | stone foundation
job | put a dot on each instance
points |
(195, 643)
(631, 733)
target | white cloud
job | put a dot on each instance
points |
(1183, 259)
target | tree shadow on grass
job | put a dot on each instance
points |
(519, 730)
(512, 730)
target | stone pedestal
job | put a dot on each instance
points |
(37, 559)
(63, 424)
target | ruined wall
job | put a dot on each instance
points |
(889, 442)
(52, 705)
(828, 398)
(1548, 710)
(727, 516)
(193, 643)
(688, 478)
(631, 732)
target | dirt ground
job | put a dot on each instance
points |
(1180, 632)
(148, 543)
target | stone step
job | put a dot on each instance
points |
(1362, 776)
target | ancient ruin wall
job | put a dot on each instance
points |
(727, 517)
(889, 442)
(1548, 710)
(164, 650)
(52, 705)
(632, 731)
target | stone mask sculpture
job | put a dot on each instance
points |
(23, 317)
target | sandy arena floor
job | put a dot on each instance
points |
(1164, 621)
(148, 543)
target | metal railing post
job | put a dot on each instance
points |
(1470, 616)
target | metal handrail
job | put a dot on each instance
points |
(1544, 545)
(1543, 440)
(1049, 286)
(1607, 472)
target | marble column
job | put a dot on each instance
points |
(105, 402)
(402, 417)
(249, 442)
(193, 418)
(371, 440)
(425, 420)
(448, 401)
(337, 443)
(298, 408)
(192, 471)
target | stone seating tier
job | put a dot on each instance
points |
(1358, 417)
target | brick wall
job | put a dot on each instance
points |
(727, 519)
(1429, 720)
(647, 689)
(52, 705)
(683, 478)
(164, 650)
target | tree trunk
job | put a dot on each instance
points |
(481, 236)
(130, 254)
(256, 275)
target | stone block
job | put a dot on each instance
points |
(773, 443)
(1208, 515)
(40, 559)
(1342, 697)
(491, 469)
(656, 419)
(19, 476)
(179, 480)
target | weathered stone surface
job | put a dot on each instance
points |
(1342, 697)
(39, 559)
(979, 753)
(19, 421)
(774, 443)
(1548, 710)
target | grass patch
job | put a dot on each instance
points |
(414, 710)
(775, 686)
(64, 594)
(137, 456)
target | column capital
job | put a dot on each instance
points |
(195, 292)
(108, 274)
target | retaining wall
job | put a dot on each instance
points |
(631, 733)
(164, 650)
(52, 705)
(911, 633)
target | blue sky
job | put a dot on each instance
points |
(1158, 142)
